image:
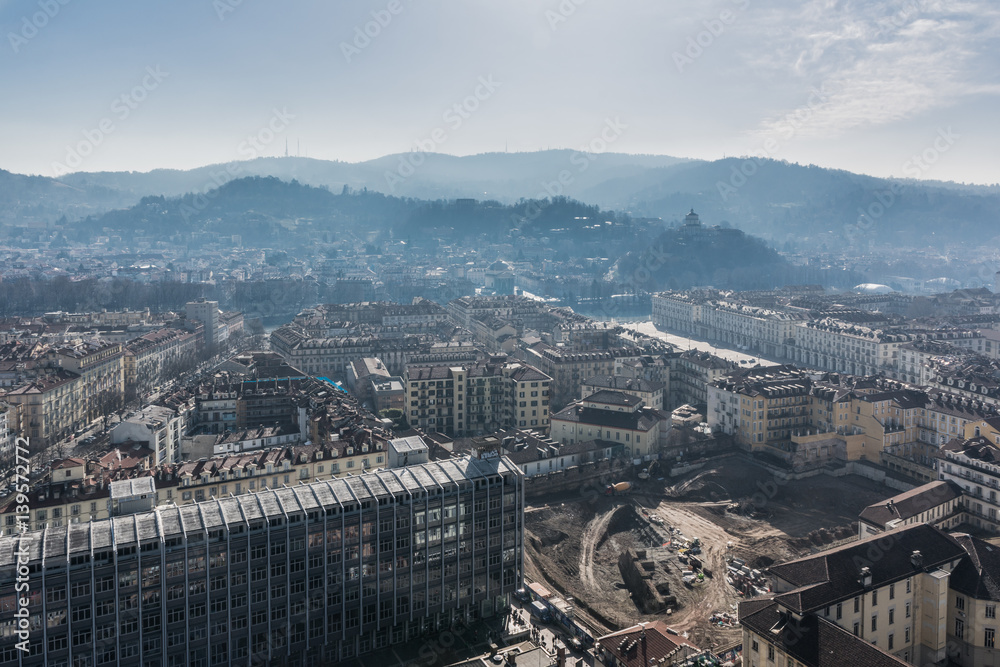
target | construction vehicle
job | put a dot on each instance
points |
(619, 489)
(648, 472)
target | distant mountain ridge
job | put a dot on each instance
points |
(807, 208)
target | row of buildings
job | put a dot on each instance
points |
(56, 387)
(854, 341)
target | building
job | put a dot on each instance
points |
(362, 373)
(313, 574)
(401, 452)
(879, 601)
(644, 644)
(974, 465)
(937, 503)
(162, 428)
(50, 407)
(651, 393)
(389, 394)
(973, 597)
(914, 595)
(208, 313)
(568, 369)
(614, 417)
(157, 355)
(478, 398)
(691, 374)
(101, 368)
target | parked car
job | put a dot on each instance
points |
(522, 595)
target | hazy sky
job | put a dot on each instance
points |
(859, 85)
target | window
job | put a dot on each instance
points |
(959, 628)
(875, 598)
(857, 605)
(770, 652)
(874, 622)
(990, 638)
(959, 602)
(892, 616)
(840, 610)
(991, 611)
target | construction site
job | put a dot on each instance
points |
(687, 550)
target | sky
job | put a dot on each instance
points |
(907, 88)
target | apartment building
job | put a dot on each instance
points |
(477, 398)
(161, 427)
(770, 332)
(893, 602)
(651, 393)
(151, 357)
(320, 572)
(51, 406)
(974, 465)
(938, 503)
(615, 417)
(913, 595)
(569, 369)
(101, 368)
(332, 356)
(208, 313)
(678, 311)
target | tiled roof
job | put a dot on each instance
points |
(835, 575)
(977, 576)
(642, 645)
(813, 641)
(911, 503)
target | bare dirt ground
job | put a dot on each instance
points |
(573, 542)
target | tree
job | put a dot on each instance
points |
(106, 404)
(397, 416)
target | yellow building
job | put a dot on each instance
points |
(51, 407)
(880, 601)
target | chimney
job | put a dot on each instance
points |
(917, 559)
(866, 577)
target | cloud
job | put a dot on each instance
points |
(881, 61)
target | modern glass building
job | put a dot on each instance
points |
(310, 574)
